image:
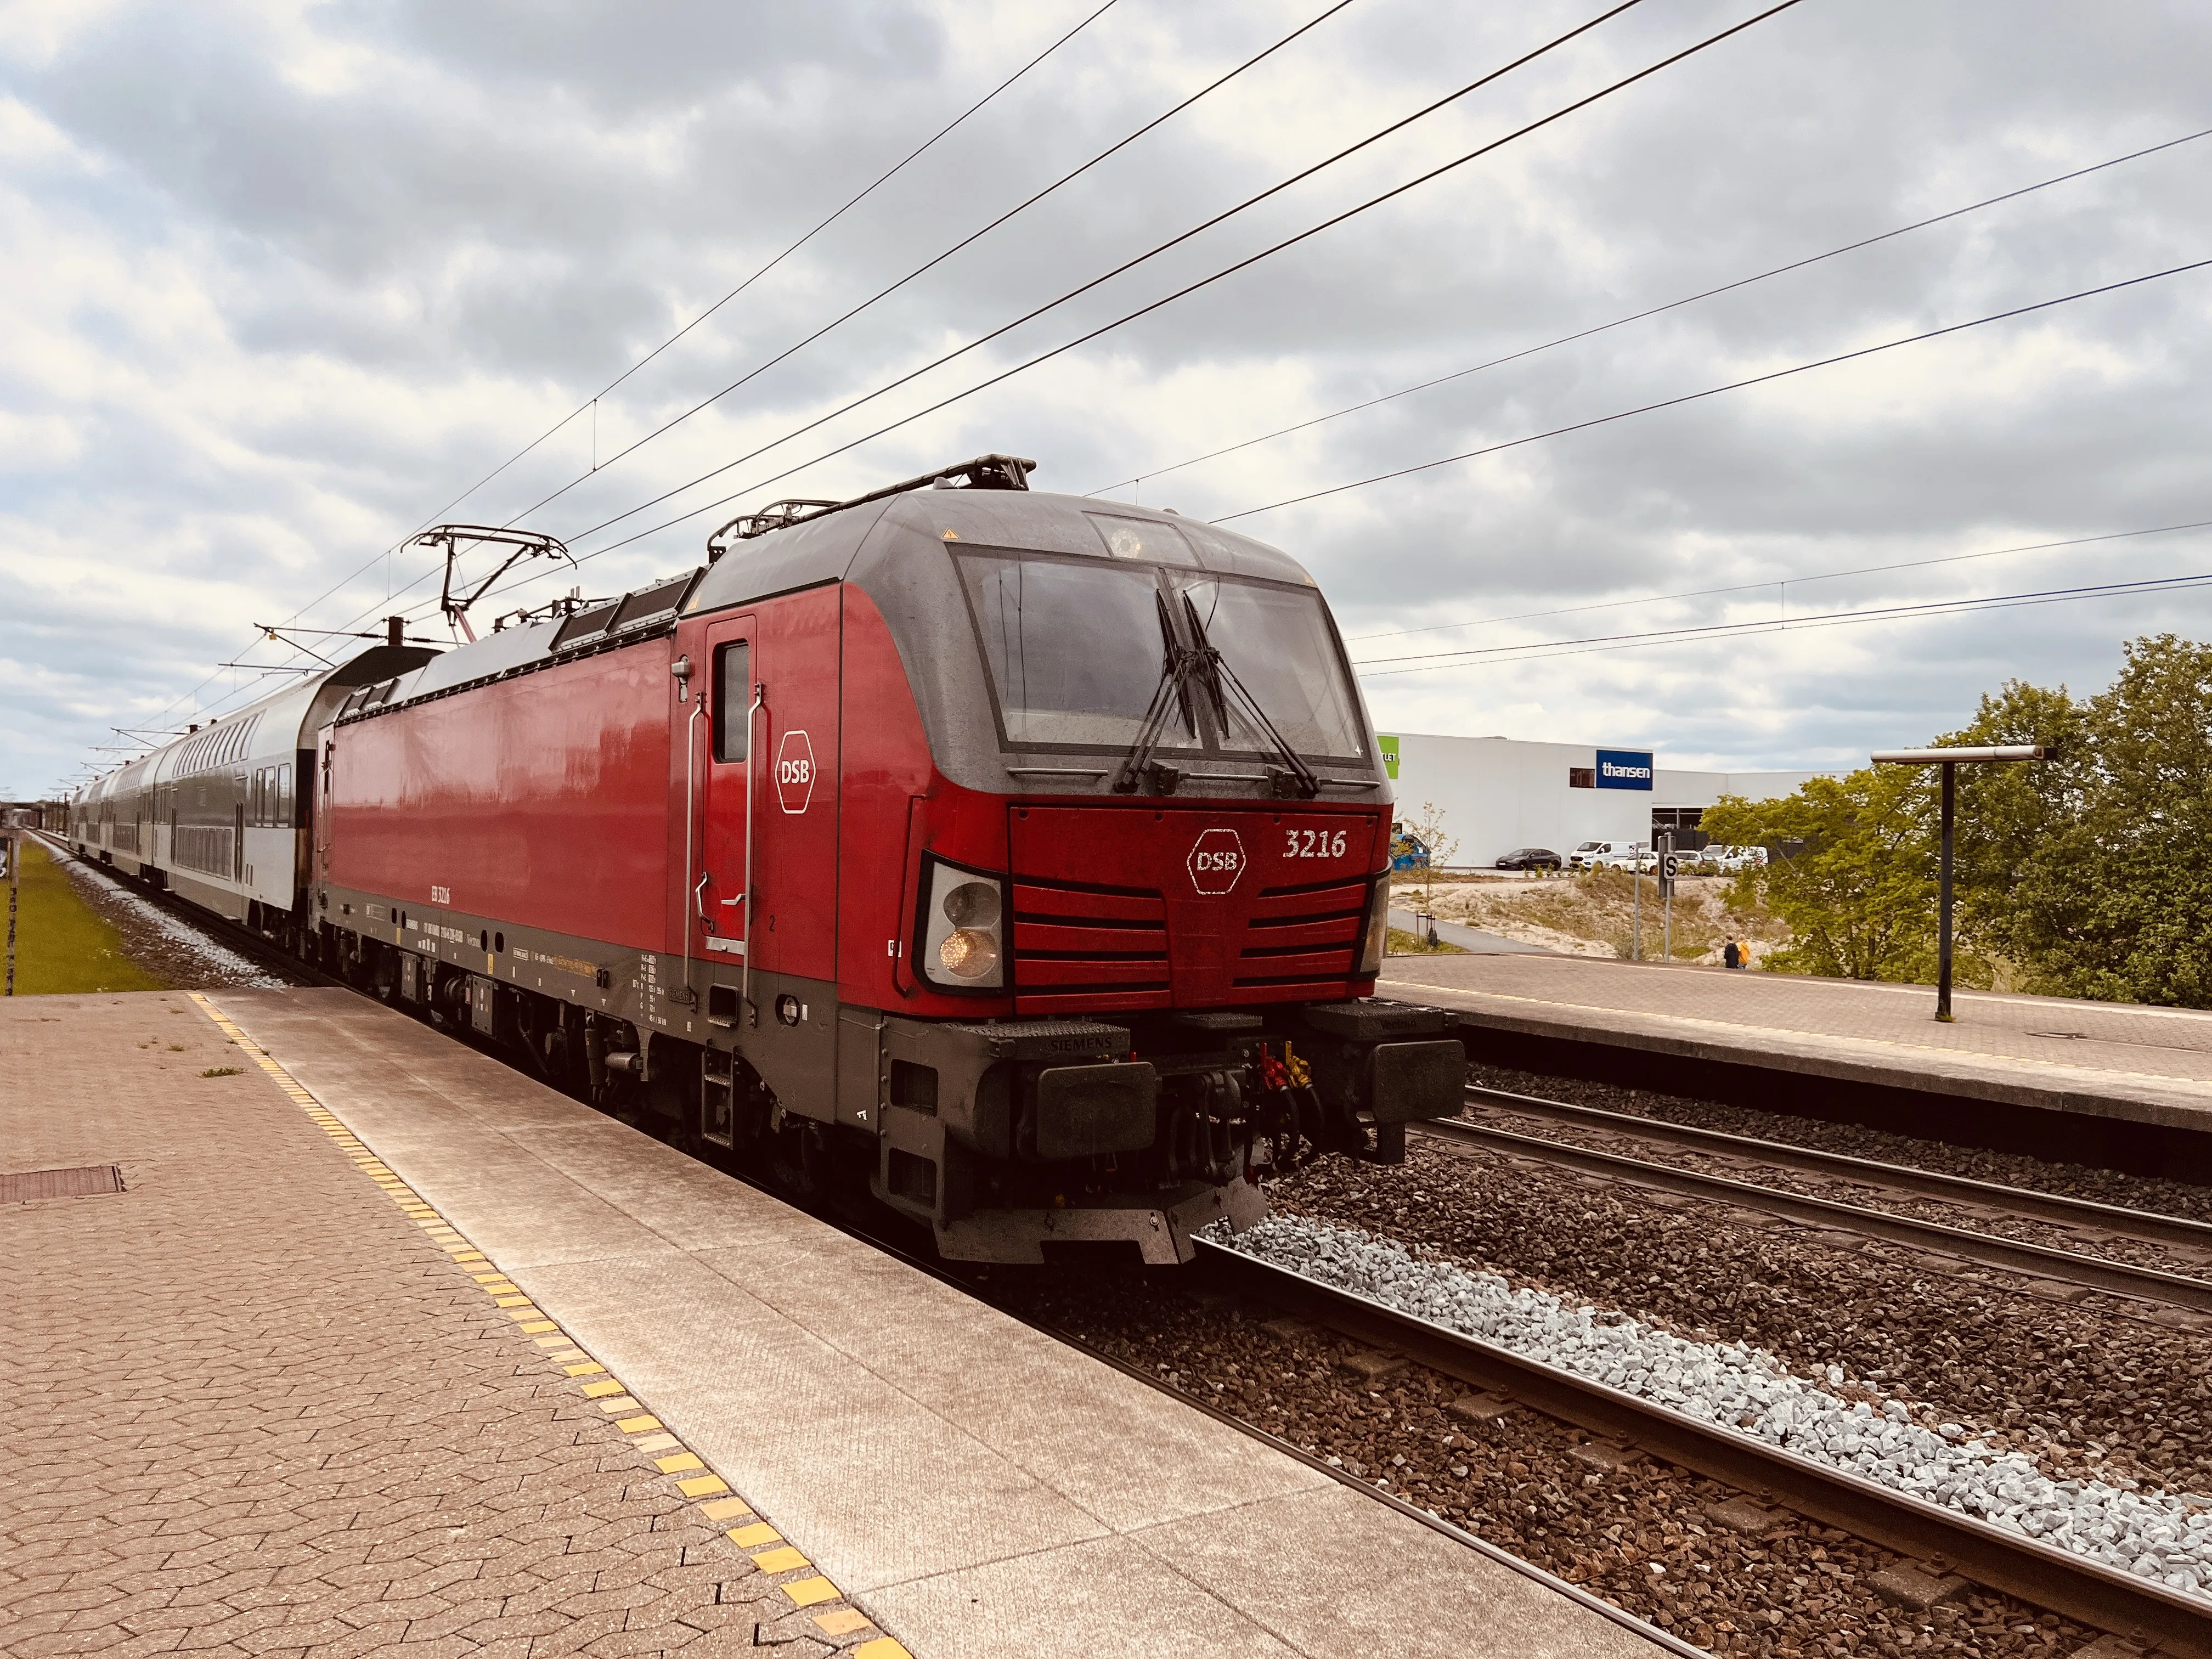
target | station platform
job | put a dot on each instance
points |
(381, 1342)
(2117, 1063)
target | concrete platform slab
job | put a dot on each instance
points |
(977, 1487)
(2118, 1061)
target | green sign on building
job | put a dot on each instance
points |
(1389, 747)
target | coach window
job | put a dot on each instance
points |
(284, 793)
(733, 700)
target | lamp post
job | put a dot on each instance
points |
(1950, 760)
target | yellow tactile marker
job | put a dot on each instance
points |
(806, 1588)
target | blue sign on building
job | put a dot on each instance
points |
(1624, 768)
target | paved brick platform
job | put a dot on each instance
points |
(256, 1409)
(985, 1492)
(2103, 1059)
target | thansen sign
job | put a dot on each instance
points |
(1624, 768)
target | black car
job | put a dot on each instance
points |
(1531, 858)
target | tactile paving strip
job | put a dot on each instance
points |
(795, 1577)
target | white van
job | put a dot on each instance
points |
(1614, 855)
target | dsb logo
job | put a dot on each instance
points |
(794, 772)
(1216, 859)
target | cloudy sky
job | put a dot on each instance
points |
(284, 281)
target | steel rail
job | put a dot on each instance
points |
(2037, 1573)
(2009, 1254)
(2147, 1226)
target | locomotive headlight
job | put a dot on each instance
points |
(969, 953)
(961, 929)
(973, 906)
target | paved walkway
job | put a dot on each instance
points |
(1473, 939)
(258, 1406)
(984, 1490)
(2115, 1060)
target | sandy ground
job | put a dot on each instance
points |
(1595, 915)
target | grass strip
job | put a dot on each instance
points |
(63, 946)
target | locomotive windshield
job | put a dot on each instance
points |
(1076, 648)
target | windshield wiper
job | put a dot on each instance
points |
(1293, 778)
(1170, 696)
(1202, 664)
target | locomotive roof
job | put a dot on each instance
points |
(843, 546)
(892, 548)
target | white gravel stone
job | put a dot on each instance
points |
(2154, 1534)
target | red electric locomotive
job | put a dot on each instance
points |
(1024, 854)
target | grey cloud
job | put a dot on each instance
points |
(414, 274)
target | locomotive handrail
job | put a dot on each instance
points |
(681, 668)
(752, 786)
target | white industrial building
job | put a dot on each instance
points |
(1498, 794)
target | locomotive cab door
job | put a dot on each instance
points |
(720, 902)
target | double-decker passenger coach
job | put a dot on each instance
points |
(1022, 856)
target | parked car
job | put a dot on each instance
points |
(1531, 858)
(1733, 859)
(1614, 855)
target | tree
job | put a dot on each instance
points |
(1859, 894)
(2086, 874)
(2089, 874)
(1428, 830)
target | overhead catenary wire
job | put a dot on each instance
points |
(1864, 242)
(1244, 264)
(1184, 103)
(1537, 650)
(1155, 305)
(1713, 391)
(1655, 311)
(936, 260)
(844, 208)
(1781, 581)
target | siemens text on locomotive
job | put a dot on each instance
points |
(1024, 855)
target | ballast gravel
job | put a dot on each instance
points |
(159, 942)
(2151, 1534)
(1693, 1555)
(2085, 1389)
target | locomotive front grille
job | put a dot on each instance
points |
(1303, 935)
(1091, 947)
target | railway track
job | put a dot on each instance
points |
(1943, 1539)
(2064, 1270)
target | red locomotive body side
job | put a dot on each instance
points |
(887, 779)
(542, 800)
(796, 813)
